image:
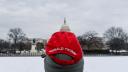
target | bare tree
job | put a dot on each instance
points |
(16, 35)
(114, 32)
(90, 40)
(89, 35)
(4, 46)
(116, 38)
(81, 41)
(116, 44)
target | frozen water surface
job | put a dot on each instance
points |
(92, 64)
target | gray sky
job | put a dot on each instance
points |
(40, 18)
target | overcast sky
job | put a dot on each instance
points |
(41, 18)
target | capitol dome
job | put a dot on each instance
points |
(64, 27)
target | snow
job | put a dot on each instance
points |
(106, 64)
(92, 64)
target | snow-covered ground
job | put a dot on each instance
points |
(92, 64)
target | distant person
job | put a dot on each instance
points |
(63, 52)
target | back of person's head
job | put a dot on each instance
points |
(63, 47)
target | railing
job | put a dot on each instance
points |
(20, 55)
(37, 54)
